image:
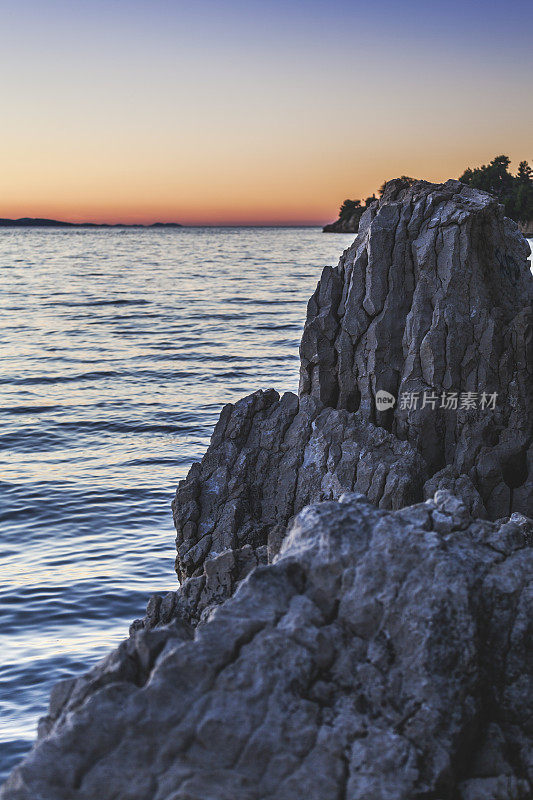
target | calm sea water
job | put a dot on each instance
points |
(117, 351)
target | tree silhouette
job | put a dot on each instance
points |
(515, 193)
(349, 208)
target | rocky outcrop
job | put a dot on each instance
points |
(381, 655)
(350, 622)
(269, 457)
(348, 224)
(350, 214)
(433, 297)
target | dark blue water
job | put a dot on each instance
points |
(117, 350)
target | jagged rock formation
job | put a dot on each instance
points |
(269, 457)
(433, 296)
(382, 655)
(376, 645)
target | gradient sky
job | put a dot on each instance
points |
(245, 112)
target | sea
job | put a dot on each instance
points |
(118, 349)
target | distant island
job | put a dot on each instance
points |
(35, 222)
(350, 213)
(515, 193)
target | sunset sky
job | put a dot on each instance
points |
(252, 112)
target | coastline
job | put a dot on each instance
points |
(30, 222)
(260, 561)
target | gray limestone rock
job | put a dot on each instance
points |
(268, 458)
(383, 654)
(434, 296)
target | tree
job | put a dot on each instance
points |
(515, 193)
(348, 208)
(405, 178)
(525, 173)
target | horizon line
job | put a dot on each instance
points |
(49, 222)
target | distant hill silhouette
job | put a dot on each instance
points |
(36, 222)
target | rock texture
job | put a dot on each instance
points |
(382, 655)
(269, 457)
(434, 296)
(355, 613)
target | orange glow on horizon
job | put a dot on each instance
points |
(295, 198)
(316, 203)
(248, 114)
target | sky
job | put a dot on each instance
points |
(230, 112)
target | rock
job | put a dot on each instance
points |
(271, 456)
(397, 306)
(434, 296)
(345, 224)
(383, 654)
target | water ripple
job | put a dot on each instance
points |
(118, 349)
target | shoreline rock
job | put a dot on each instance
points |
(346, 225)
(433, 296)
(382, 654)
